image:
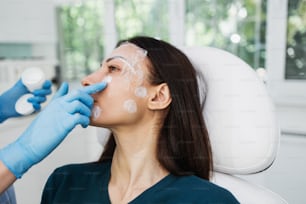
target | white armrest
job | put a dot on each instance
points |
(246, 192)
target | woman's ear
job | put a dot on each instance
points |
(160, 97)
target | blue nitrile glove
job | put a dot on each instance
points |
(40, 95)
(50, 127)
(9, 98)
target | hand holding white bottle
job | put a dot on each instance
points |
(33, 79)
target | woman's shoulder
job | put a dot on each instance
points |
(77, 183)
(195, 181)
(204, 189)
(81, 168)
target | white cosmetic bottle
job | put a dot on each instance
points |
(33, 78)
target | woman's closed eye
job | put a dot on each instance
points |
(112, 69)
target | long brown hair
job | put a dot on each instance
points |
(183, 146)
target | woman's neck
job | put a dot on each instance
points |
(135, 157)
(135, 167)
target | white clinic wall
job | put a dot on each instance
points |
(30, 21)
(287, 175)
(27, 21)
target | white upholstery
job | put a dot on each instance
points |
(246, 192)
(240, 120)
(238, 112)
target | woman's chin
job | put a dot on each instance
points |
(97, 123)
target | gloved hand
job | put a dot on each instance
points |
(40, 95)
(50, 127)
(9, 98)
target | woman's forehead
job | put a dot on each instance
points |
(131, 53)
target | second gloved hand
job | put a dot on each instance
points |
(9, 98)
(50, 127)
(40, 95)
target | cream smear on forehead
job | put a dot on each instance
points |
(140, 51)
(133, 60)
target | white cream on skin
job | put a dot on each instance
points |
(130, 106)
(96, 112)
(139, 77)
(141, 92)
(132, 72)
(107, 79)
(132, 63)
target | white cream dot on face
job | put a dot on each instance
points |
(96, 112)
(140, 76)
(141, 92)
(130, 106)
(107, 79)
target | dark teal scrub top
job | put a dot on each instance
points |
(88, 184)
(8, 196)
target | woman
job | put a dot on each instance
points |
(158, 151)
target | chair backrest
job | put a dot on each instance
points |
(241, 122)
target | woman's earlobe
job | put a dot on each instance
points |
(160, 98)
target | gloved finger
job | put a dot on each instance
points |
(47, 84)
(63, 90)
(83, 120)
(42, 92)
(80, 96)
(45, 90)
(78, 119)
(36, 106)
(78, 107)
(37, 99)
(95, 88)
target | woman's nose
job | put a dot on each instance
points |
(90, 79)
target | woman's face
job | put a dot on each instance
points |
(123, 100)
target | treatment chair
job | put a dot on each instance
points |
(241, 122)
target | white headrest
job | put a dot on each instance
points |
(238, 112)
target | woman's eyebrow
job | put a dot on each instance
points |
(116, 57)
(122, 59)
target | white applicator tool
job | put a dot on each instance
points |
(33, 78)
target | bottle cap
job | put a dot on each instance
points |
(23, 107)
(33, 78)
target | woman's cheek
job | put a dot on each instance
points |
(96, 112)
(140, 92)
(120, 94)
(130, 106)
